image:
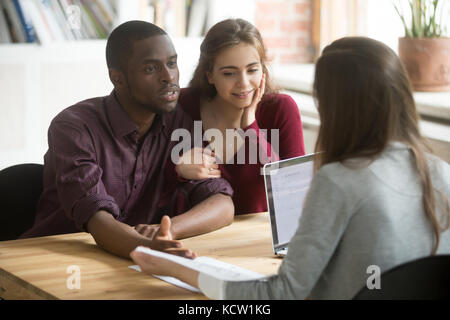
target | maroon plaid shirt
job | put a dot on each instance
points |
(95, 162)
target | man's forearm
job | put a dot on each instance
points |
(211, 214)
(114, 236)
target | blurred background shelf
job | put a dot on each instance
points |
(38, 80)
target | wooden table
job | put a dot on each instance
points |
(38, 268)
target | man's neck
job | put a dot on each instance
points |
(141, 117)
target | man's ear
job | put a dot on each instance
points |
(116, 77)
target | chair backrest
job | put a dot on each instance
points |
(20, 188)
(426, 278)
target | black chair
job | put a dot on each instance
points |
(425, 279)
(20, 188)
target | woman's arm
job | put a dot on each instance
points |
(163, 267)
(198, 164)
(324, 219)
(281, 124)
(288, 120)
(210, 286)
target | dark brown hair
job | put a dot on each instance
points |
(223, 35)
(365, 101)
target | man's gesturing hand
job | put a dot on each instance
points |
(163, 241)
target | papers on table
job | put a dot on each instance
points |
(170, 280)
(210, 266)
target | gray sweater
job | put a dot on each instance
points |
(354, 218)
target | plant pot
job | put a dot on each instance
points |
(427, 61)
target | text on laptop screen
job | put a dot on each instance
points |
(289, 188)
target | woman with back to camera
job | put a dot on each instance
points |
(231, 89)
(378, 197)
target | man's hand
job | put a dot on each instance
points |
(147, 230)
(207, 168)
(163, 241)
(120, 239)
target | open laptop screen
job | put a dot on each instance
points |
(287, 183)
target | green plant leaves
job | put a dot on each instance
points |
(424, 19)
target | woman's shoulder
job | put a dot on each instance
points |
(278, 109)
(352, 175)
(277, 101)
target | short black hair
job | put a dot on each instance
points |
(119, 45)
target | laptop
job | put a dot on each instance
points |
(287, 183)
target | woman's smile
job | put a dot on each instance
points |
(243, 94)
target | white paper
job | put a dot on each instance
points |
(226, 271)
(170, 280)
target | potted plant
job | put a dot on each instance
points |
(425, 51)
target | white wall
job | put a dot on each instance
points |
(37, 82)
(384, 24)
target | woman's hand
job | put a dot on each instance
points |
(163, 267)
(153, 265)
(248, 117)
(207, 167)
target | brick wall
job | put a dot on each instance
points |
(286, 28)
